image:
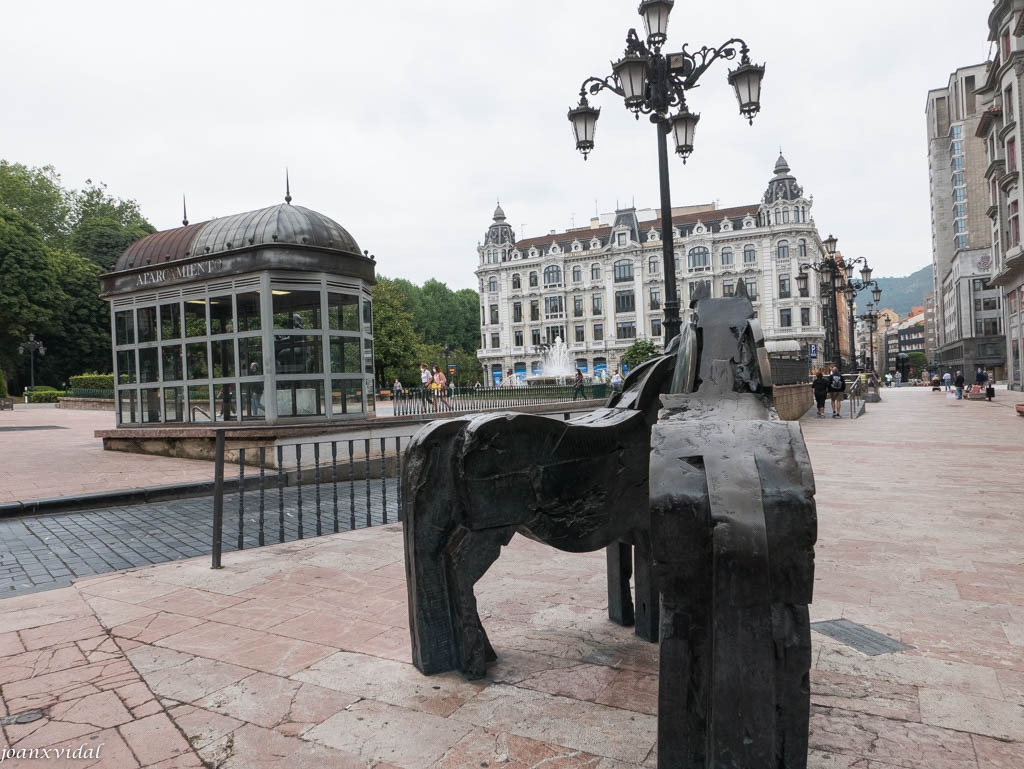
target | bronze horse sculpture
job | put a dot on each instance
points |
(690, 465)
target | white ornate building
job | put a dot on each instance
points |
(600, 287)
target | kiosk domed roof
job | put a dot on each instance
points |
(280, 225)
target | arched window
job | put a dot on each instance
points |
(595, 272)
(699, 258)
(782, 250)
(577, 274)
(802, 248)
(623, 270)
(652, 265)
(516, 282)
(785, 215)
(533, 280)
(749, 255)
(553, 275)
(726, 257)
(492, 284)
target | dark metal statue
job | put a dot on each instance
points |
(690, 465)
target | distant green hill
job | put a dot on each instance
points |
(900, 294)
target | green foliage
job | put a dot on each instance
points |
(105, 226)
(91, 381)
(918, 364)
(44, 396)
(394, 337)
(639, 351)
(3, 384)
(37, 194)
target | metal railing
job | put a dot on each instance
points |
(85, 392)
(416, 400)
(855, 395)
(290, 490)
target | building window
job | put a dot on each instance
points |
(698, 258)
(655, 326)
(621, 239)
(533, 280)
(598, 332)
(786, 318)
(519, 338)
(959, 194)
(960, 241)
(1014, 219)
(784, 287)
(553, 275)
(577, 274)
(535, 309)
(623, 270)
(577, 306)
(728, 289)
(535, 337)
(553, 306)
(805, 316)
(495, 341)
(554, 333)
(726, 257)
(652, 266)
(494, 314)
(783, 249)
(625, 329)
(579, 334)
(960, 209)
(802, 248)
(957, 164)
(805, 290)
(749, 255)
(956, 132)
(516, 282)
(517, 312)
(1008, 105)
(751, 284)
(1011, 154)
(595, 272)
(596, 304)
(655, 298)
(492, 284)
(695, 284)
(958, 179)
(625, 301)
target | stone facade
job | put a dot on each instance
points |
(601, 287)
(999, 131)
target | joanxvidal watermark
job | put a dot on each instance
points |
(28, 754)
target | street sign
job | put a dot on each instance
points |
(453, 369)
(812, 350)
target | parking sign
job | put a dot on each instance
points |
(812, 350)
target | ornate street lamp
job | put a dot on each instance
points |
(871, 319)
(854, 286)
(831, 282)
(656, 84)
(33, 346)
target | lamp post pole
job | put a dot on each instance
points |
(33, 346)
(829, 270)
(853, 286)
(656, 84)
(871, 318)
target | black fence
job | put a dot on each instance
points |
(295, 490)
(417, 400)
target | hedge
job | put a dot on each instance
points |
(44, 396)
(3, 384)
(91, 382)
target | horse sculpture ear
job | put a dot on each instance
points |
(741, 289)
(703, 291)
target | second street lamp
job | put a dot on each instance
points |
(656, 84)
(853, 287)
(831, 282)
(871, 319)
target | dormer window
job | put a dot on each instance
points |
(620, 239)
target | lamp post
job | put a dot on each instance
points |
(656, 84)
(831, 281)
(33, 346)
(854, 286)
(871, 319)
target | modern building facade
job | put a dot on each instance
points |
(968, 324)
(599, 288)
(1001, 303)
(263, 316)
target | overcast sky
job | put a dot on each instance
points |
(407, 120)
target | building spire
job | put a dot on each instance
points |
(287, 188)
(184, 212)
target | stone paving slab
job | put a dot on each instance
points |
(280, 659)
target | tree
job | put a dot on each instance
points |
(29, 291)
(639, 351)
(37, 194)
(395, 340)
(104, 226)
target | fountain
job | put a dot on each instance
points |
(558, 367)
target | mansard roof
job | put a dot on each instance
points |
(783, 185)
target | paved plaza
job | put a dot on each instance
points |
(298, 654)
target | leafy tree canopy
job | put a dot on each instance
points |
(37, 194)
(639, 351)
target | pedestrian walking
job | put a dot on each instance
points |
(577, 388)
(396, 389)
(836, 387)
(899, 378)
(426, 384)
(980, 377)
(820, 388)
(946, 379)
(959, 384)
(440, 387)
(616, 382)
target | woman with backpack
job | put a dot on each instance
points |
(820, 388)
(836, 386)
